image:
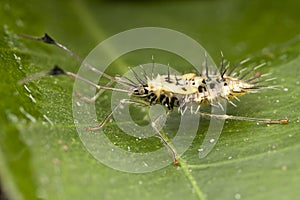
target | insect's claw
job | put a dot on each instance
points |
(284, 121)
(92, 128)
(176, 162)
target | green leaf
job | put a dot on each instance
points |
(41, 154)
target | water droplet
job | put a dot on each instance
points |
(19, 23)
(55, 161)
(286, 89)
(237, 196)
(284, 168)
(65, 148)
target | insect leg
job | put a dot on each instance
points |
(94, 128)
(153, 124)
(55, 71)
(123, 101)
(262, 120)
(166, 142)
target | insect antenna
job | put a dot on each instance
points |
(49, 40)
(56, 70)
(33, 77)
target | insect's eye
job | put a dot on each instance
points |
(141, 90)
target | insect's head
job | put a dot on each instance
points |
(140, 90)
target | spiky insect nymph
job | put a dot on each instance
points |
(192, 89)
(182, 91)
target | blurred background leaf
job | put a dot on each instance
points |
(41, 155)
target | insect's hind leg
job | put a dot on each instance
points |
(262, 120)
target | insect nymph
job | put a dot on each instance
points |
(186, 92)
